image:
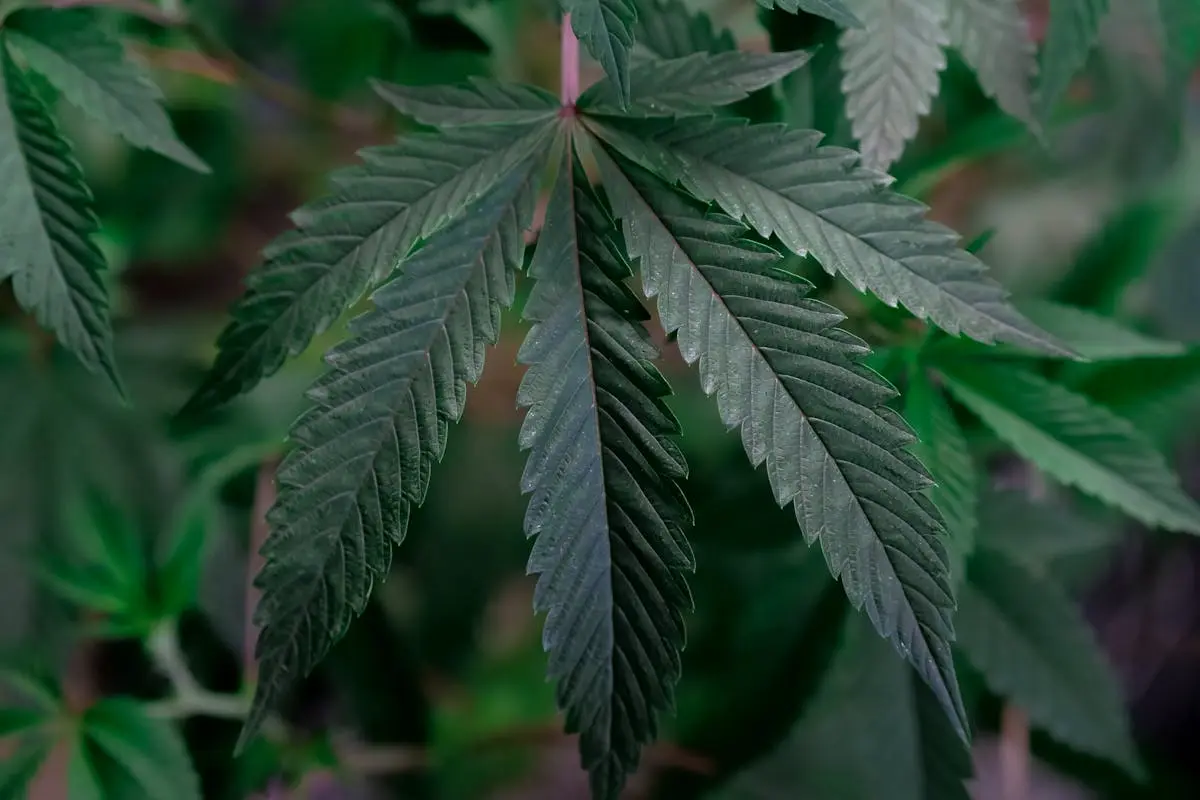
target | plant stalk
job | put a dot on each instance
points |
(569, 65)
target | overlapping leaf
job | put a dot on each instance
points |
(1070, 34)
(669, 29)
(793, 384)
(1093, 336)
(75, 52)
(994, 40)
(1033, 646)
(606, 510)
(816, 200)
(353, 239)
(606, 28)
(47, 249)
(1074, 441)
(890, 72)
(362, 455)
(840, 11)
(478, 102)
(694, 83)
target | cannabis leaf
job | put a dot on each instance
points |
(1036, 534)
(47, 249)
(1093, 336)
(816, 200)
(345, 243)
(993, 37)
(362, 455)
(1080, 444)
(890, 72)
(942, 447)
(82, 60)
(694, 83)
(1070, 34)
(131, 754)
(836, 10)
(20, 766)
(792, 383)
(1032, 645)
(478, 102)
(669, 29)
(606, 28)
(606, 510)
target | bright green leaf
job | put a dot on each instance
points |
(818, 202)
(72, 49)
(1070, 35)
(1074, 441)
(149, 750)
(793, 384)
(1093, 336)
(993, 37)
(1035, 648)
(56, 269)
(605, 508)
(840, 11)
(606, 29)
(890, 72)
(479, 102)
(362, 455)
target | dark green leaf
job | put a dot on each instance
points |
(1038, 533)
(606, 29)
(608, 515)
(16, 720)
(353, 240)
(18, 769)
(817, 201)
(362, 455)
(1070, 35)
(1074, 441)
(793, 384)
(1033, 646)
(149, 751)
(669, 29)
(72, 49)
(837, 10)
(56, 269)
(479, 102)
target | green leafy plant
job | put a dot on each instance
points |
(771, 260)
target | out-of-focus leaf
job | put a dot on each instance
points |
(1070, 36)
(1094, 336)
(149, 751)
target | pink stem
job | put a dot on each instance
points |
(569, 64)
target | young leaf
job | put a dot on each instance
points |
(793, 384)
(1093, 336)
(872, 731)
(362, 455)
(669, 29)
(606, 510)
(993, 37)
(693, 84)
(838, 11)
(1033, 646)
(478, 102)
(148, 751)
(890, 72)
(82, 60)
(1070, 35)
(606, 28)
(818, 202)
(56, 269)
(1074, 441)
(346, 243)
(943, 448)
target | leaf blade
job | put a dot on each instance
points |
(606, 29)
(669, 29)
(150, 750)
(994, 40)
(835, 10)
(477, 102)
(1071, 33)
(1094, 336)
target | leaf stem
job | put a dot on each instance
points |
(189, 697)
(569, 65)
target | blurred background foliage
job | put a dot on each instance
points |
(114, 521)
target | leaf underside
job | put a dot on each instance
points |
(793, 384)
(605, 508)
(348, 242)
(56, 268)
(1033, 646)
(890, 72)
(994, 40)
(1074, 441)
(819, 202)
(362, 455)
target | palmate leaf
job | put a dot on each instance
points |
(840, 11)
(46, 244)
(994, 40)
(693, 84)
(353, 239)
(942, 446)
(1070, 34)
(890, 72)
(132, 754)
(606, 29)
(72, 49)
(872, 731)
(816, 200)
(1032, 645)
(606, 510)
(669, 29)
(793, 384)
(1074, 441)
(362, 455)
(478, 102)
